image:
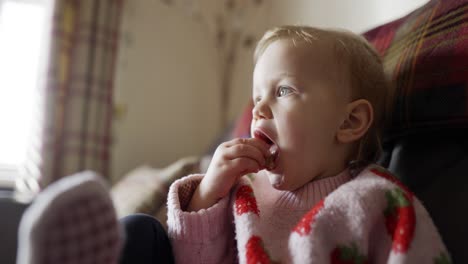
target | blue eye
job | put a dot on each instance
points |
(283, 91)
(256, 100)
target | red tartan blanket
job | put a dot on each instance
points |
(426, 54)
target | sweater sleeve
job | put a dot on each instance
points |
(205, 236)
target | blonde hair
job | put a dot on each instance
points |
(363, 67)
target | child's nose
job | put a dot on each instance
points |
(261, 111)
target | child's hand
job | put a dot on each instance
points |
(231, 160)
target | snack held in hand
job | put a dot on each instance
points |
(271, 160)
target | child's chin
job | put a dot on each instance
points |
(276, 180)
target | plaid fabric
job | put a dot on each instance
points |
(426, 54)
(70, 221)
(78, 96)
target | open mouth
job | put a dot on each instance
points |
(271, 160)
(260, 135)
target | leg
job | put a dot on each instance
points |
(146, 241)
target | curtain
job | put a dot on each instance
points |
(78, 97)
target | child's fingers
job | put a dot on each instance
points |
(243, 166)
(244, 151)
(262, 145)
(255, 142)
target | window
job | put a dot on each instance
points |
(24, 31)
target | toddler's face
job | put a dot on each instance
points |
(300, 102)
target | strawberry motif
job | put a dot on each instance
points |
(400, 219)
(245, 201)
(347, 255)
(256, 253)
(303, 228)
(387, 175)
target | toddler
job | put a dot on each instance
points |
(303, 189)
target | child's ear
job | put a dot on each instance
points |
(360, 115)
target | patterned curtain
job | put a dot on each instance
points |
(79, 88)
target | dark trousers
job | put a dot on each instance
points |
(146, 241)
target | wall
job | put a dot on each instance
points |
(166, 91)
(355, 15)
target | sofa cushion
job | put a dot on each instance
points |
(426, 54)
(144, 189)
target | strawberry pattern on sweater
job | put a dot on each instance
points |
(400, 219)
(255, 251)
(310, 238)
(303, 228)
(372, 218)
(245, 201)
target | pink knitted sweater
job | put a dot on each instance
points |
(370, 218)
